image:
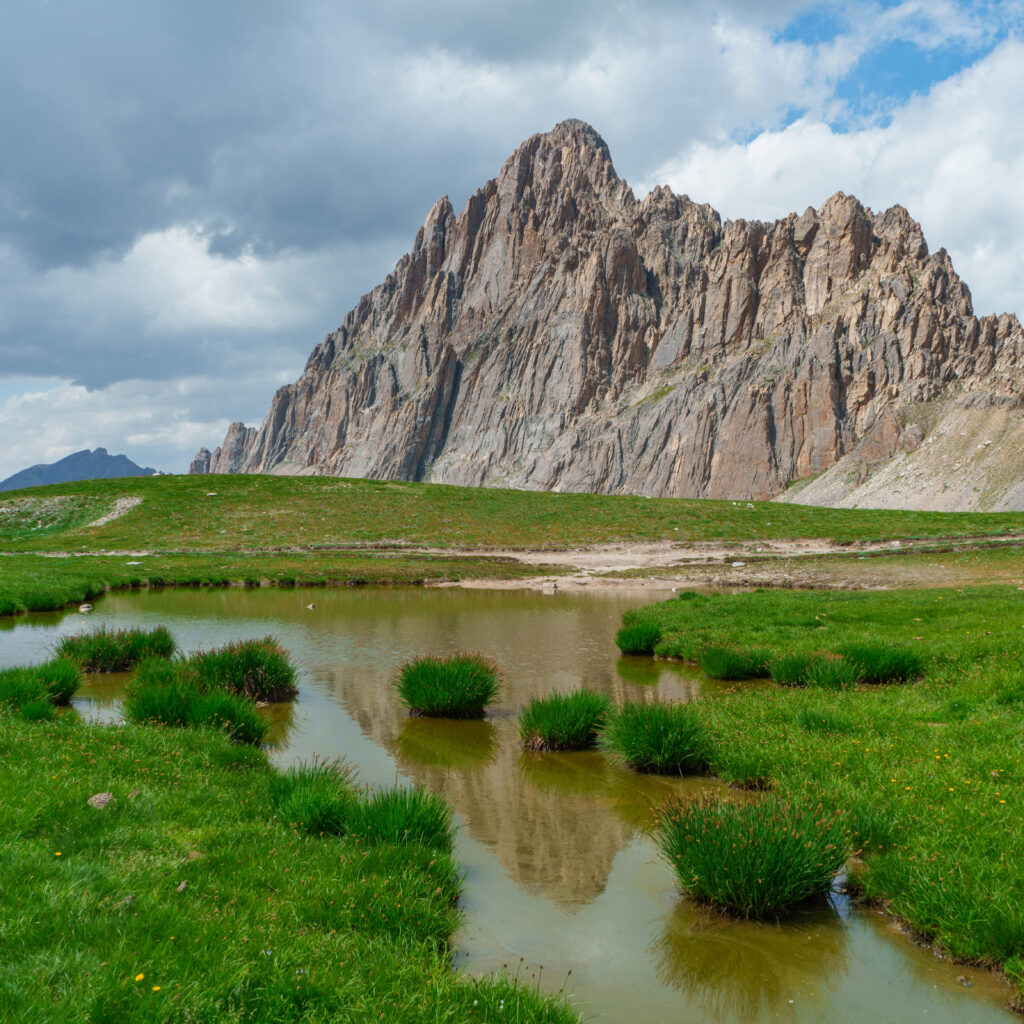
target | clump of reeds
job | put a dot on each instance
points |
(723, 662)
(257, 669)
(825, 670)
(638, 637)
(315, 797)
(459, 686)
(563, 721)
(37, 711)
(115, 650)
(53, 682)
(320, 798)
(665, 739)
(881, 663)
(758, 859)
(403, 815)
(171, 693)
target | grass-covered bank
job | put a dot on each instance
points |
(187, 897)
(929, 775)
(35, 583)
(227, 513)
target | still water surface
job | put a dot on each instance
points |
(560, 875)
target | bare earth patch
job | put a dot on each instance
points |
(121, 506)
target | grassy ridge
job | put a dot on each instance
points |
(186, 897)
(249, 512)
(930, 774)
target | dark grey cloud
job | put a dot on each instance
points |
(201, 190)
(282, 121)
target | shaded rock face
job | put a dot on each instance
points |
(560, 334)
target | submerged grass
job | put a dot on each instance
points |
(188, 898)
(664, 739)
(758, 859)
(115, 650)
(563, 721)
(458, 686)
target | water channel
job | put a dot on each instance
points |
(560, 875)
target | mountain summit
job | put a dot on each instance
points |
(83, 465)
(561, 334)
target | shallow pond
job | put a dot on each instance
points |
(560, 876)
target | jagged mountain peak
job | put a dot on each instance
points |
(557, 333)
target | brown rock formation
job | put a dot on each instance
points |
(561, 334)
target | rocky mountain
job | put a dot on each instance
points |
(561, 334)
(83, 465)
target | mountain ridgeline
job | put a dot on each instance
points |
(561, 334)
(83, 465)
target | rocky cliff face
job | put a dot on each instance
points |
(561, 334)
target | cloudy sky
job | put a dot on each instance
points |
(194, 192)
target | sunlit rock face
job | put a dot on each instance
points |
(561, 334)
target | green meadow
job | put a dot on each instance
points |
(927, 774)
(194, 896)
(297, 531)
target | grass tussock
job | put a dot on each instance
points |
(758, 859)
(53, 683)
(883, 663)
(315, 797)
(258, 669)
(320, 798)
(172, 694)
(37, 711)
(115, 650)
(404, 814)
(664, 739)
(458, 686)
(638, 637)
(563, 721)
(821, 669)
(726, 662)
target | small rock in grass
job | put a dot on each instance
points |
(100, 800)
(182, 887)
(738, 565)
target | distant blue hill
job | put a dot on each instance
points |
(83, 465)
